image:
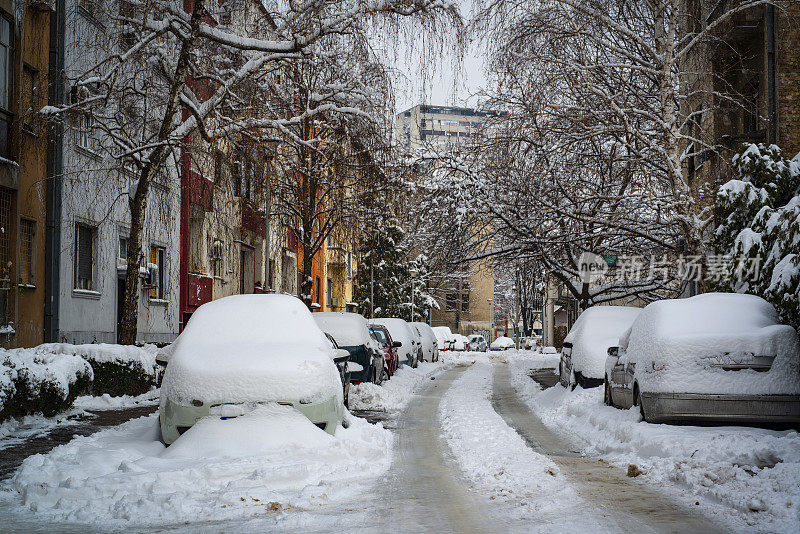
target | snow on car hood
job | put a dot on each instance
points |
(251, 348)
(597, 329)
(675, 342)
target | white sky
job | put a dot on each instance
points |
(446, 82)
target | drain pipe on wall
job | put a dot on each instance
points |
(772, 132)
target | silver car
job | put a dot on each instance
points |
(478, 343)
(718, 357)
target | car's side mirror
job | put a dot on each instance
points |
(340, 354)
(613, 352)
(397, 344)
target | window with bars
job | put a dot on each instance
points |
(84, 256)
(27, 251)
(157, 255)
(85, 138)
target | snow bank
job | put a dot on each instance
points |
(272, 461)
(678, 344)
(251, 348)
(597, 329)
(493, 456)
(754, 473)
(118, 369)
(33, 381)
(394, 394)
(108, 402)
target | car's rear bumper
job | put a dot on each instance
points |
(661, 407)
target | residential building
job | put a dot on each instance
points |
(425, 125)
(24, 42)
(87, 213)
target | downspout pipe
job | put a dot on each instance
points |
(55, 171)
(772, 130)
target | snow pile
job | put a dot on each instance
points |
(755, 472)
(395, 393)
(492, 455)
(597, 329)
(271, 461)
(251, 348)
(678, 345)
(107, 402)
(33, 381)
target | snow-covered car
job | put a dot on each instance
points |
(583, 355)
(243, 351)
(460, 343)
(549, 350)
(351, 332)
(430, 348)
(444, 337)
(388, 345)
(478, 343)
(502, 343)
(407, 351)
(345, 367)
(416, 338)
(717, 356)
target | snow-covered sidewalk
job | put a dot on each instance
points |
(753, 473)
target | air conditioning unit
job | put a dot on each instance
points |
(150, 275)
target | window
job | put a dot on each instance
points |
(6, 63)
(27, 237)
(85, 138)
(157, 275)
(317, 291)
(329, 292)
(84, 256)
(349, 266)
(329, 241)
(122, 249)
(127, 35)
(451, 301)
(465, 302)
(247, 268)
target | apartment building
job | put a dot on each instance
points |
(425, 125)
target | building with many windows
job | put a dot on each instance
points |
(425, 125)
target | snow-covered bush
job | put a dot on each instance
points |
(32, 382)
(118, 369)
(760, 221)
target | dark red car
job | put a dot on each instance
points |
(381, 334)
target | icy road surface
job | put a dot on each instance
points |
(468, 445)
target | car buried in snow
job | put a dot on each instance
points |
(583, 355)
(444, 337)
(388, 346)
(351, 332)
(717, 357)
(408, 350)
(430, 348)
(241, 352)
(502, 343)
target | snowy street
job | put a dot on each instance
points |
(460, 447)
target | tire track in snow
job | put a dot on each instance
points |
(616, 498)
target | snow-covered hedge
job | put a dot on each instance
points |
(760, 220)
(32, 382)
(118, 369)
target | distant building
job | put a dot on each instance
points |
(465, 302)
(426, 125)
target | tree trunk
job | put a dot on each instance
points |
(130, 312)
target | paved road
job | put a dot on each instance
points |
(619, 503)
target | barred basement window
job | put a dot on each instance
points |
(27, 240)
(84, 256)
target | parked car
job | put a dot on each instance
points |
(416, 338)
(460, 343)
(444, 337)
(389, 347)
(717, 356)
(549, 350)
(583, 355)
(351, 332)
(430, 348)
(478, 342)
(502, 343)
(244, 350)
(345, 367)
(400, 330)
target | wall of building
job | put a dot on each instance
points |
(788, 77)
